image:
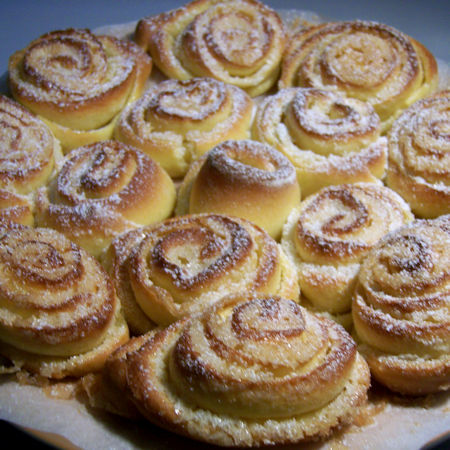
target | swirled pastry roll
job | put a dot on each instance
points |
(176, 268)
(401, 308)
(28, 149)
(175, 122)
(419, 156)
(237, 42)
(330, 233)
(245, 179)
(59, 314)
(102, 190)
(330, 139)
(251, 370)
(366, 60)
(78, 82)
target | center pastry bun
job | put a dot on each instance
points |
(178, 267)
(102, 190)
(250, 370)
(59, 314)
(242, 178)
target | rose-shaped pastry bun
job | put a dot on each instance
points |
(237, 42)
(330, 233)
(401, 308)
(78, 82)
(329, 138)
(366, 60)
(242, 178)
(419, 156)
(102, 190)
(59, 314)
(175, 122)
(250, 370)
(28, 149)
(178, 267)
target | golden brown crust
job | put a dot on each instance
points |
(330, 139)
(176, 122)
(28, 149)
(102, 190)
(340, 56)
(419, 156)
(59, 314)
(245, 179)
(238, 42)
(401, 308)
(116, 262)
(16, 208)
(217, 376)
(78, 82)
(179, 266)
(330, 233)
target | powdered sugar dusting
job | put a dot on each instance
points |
(191, 116)
(345, 221)
(27, 148)
(252, 161)
(70, 68)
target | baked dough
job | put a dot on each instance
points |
(250, 370)
(28, 149)
(242, 178)
(330, 139)
(78, 82)
(401, 308)
(178, 267)
(237, 42)
(59, 314)
(419, 156)
(16, 208)
(362, 59)
(102, 190)
(330, 233)
(175, 122)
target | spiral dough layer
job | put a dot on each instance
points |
(59, 314)
(361, 59)
(245, 179)
(102, 190)
(329, 138)
(250, 370)
(28, 149)
(330, 233)
(175, 122)
(401, 308)
(16, 208)
(419, 156)
(78, 82)
(178, 267)
(238, 42)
